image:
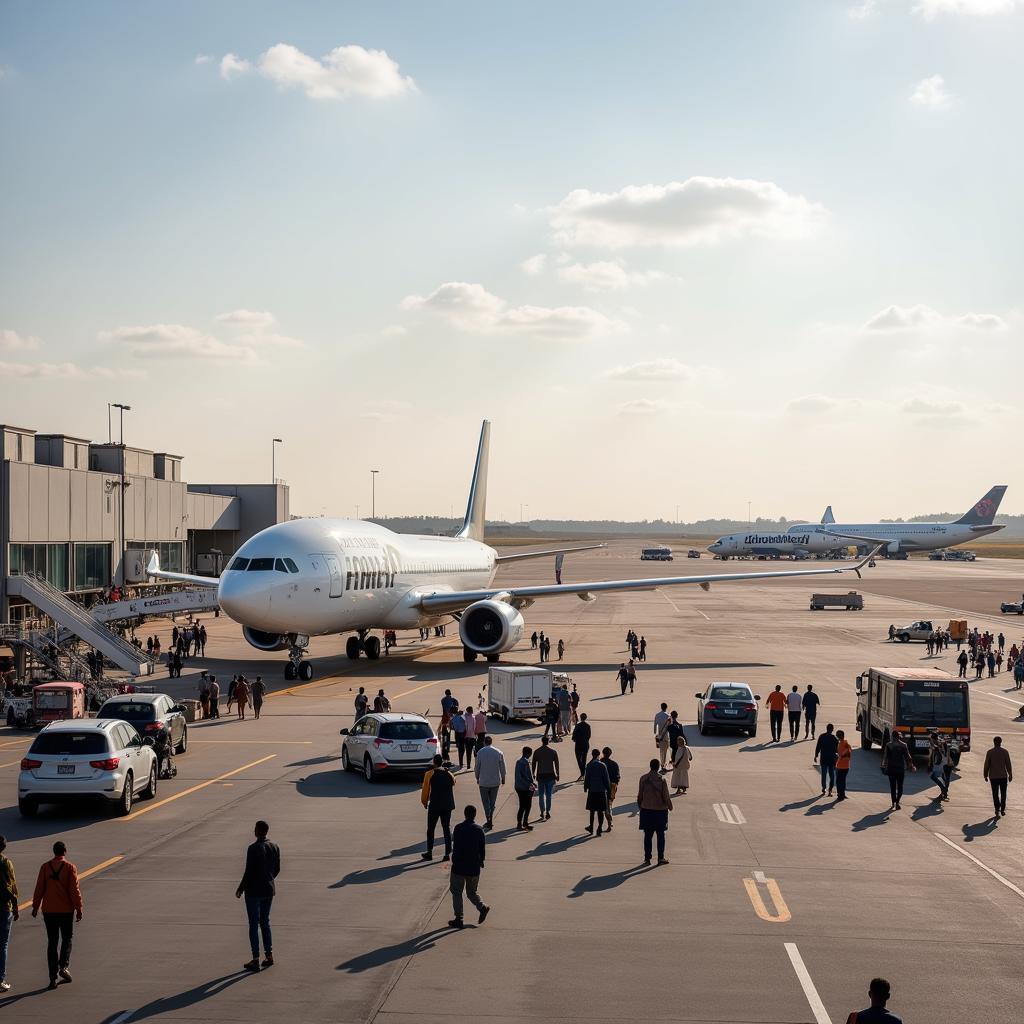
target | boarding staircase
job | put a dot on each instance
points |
(63, 661)
(77, 621)
(198, 599)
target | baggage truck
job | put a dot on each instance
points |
(852, 602)
(517, 691)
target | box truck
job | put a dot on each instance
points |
(518, 691)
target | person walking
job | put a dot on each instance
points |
(990, 660)
(438, 799)
(661, 720)
(597, 785)
(551, 716)
(381, 705)
(879, 993)
(581, 741)
(961, 661)
(776, 704)
(998, 773)
(561, 648)
(231, 692)
(827, 749)
(844, 755)
(794, 704)
(936, 762)
(204, 695)
(214, 697)
(631, 675)
(242, 696)
(643, 648)
(564, 711)
(480, 722)
(525, 786)
(681, 758)
(469, 717)
(59, 897)
(259, 886)
(469, 849)
(361, 703)
(614, 777)
(202, 640)
(533, 640)
(623, 675)
(8, 910)
(810, 703)
(459, 729)
(545, 768)
(259, 691)
(655, 803)
(490, 777)
(896, 760)
(574, 701)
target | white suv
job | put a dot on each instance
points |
(87, 759)
(388, 742)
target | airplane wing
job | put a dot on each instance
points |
(153, 569)
(453, 601)
(518, 556)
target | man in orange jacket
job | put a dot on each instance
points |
(843, 756)
(60, 898)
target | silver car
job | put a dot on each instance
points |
(87, 759)
(386, 742)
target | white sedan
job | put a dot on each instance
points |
(87, 759)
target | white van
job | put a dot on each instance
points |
(519, 691)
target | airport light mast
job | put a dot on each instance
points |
(124, 484)
(373, 493)
(273, 459)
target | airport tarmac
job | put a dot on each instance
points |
(778, 905)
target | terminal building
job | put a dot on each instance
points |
(84, 516)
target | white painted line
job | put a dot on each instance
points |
(737, 815)
(670, 601)
(984, 867)
(729, 814)
(998, 696)
(707, 618)
(813, 999)
(759, 877)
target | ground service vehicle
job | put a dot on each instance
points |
(693, 553)
(388, 742)
(957, 629)
(727, 706)
(519, 691)
(960, 555)
(151, 714)
(1012, 607)
(73, 761)
(937, 556)
(56, 702)
(912, 702)
(852, 602)
(660, 554)
(18, 711)
(920, 630)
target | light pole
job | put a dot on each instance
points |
(357, 511)
(122, 409)
(273, 460)
(373, 493)
(748, 513)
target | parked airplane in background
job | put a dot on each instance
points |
(317, 577)
(896, 539)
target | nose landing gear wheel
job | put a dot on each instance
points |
(305, 671)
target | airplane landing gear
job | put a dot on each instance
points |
(296, 667)
(362, 642)
(468, 654)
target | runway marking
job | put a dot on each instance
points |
(730, 814)
(759, 877)
(782, 914)
(192, 789)
(984, 867)
(261, 742)
(9, 763)
(14, 743)
(998, 696)
(810, 992)
(82, 875)
(122, 1017)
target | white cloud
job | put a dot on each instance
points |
(932, 8)
(929, 407)
(257, 320)
(230, 64)
(652, 370)
(902, 318)
(345, 71)
(534, 265)
(470, 307)
(932, 94)
(203, 58)
(177, 340)
(13, 341)
(698, 210)
(813, 405)
(608, 275)
(645, 407)
(252, 328)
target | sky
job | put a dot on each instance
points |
(685, 255)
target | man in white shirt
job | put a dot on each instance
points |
(661, 720)
(490, 776)
(795, 703)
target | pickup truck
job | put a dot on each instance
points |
(920, 630)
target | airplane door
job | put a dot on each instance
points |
(334, 568)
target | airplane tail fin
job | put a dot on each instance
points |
(473, 526)
(828, 518)
(985, 511)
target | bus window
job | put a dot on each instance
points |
(933, 707)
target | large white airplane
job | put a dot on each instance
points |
(894, 539)
(318, 577)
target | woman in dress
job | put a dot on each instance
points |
(681, 758)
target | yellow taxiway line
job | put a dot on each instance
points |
(782, 914)
(81, 876)
(192, 789)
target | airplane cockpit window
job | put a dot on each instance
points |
(292, 567)
(261, 565)
(239, 564)
(279, 565)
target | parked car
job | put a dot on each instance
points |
(693, 553)
(388, 742)
(151, 714)
(87, 759)
(727, 706)
(920, 630)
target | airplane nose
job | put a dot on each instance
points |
(244, 597)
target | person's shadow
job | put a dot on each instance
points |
(389, 954)
(190, 997)
(870, 821)
(602, 883)
(557, 846)
(371, 876)
(980, 829)
(797, 804)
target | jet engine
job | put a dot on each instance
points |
(264, 641)
(490, 627)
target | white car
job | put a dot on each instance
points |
(87, 759)
(388, 742)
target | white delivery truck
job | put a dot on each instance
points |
(517, 691)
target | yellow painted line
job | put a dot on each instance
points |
(192, 789)
(14, 743)
(82, 875)
(781, 915)
(9, 763)
(261, 742)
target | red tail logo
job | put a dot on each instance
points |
(985, 507)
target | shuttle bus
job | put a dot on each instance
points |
(658, 554)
